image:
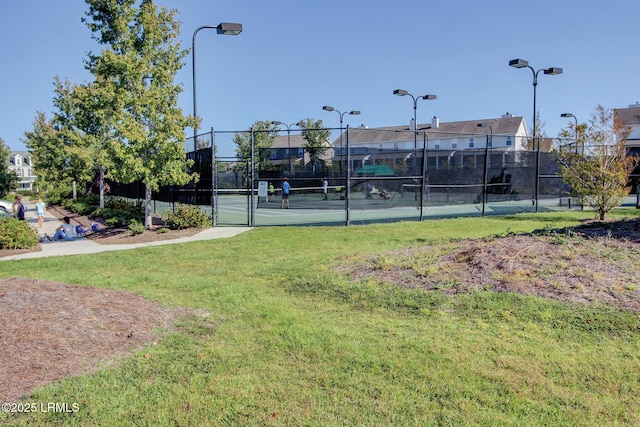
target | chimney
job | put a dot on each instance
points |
(435, 122)
(507, 114)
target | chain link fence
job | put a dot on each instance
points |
(365, 182)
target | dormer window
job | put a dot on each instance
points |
(18, 160)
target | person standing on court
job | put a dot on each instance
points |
(285, 193)
(18, 209)
(271, 191)
(325, 188)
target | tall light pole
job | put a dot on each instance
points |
(567, 115)
(521, 63)
(341, 114)
(225, 28)
(486, 164)
(299, 124)
(402, 92)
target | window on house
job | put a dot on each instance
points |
(19, 172)
(454, 145)
(380, 147)
(471, 143)
(18, 161)
(437, 147)
(508, 142)
(396, 146)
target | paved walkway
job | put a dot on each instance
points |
(86, 246)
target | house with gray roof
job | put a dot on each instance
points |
(20, 162)
(443, 143)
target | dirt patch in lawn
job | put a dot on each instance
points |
(597, 263)
(54, 330)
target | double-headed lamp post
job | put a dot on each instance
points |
(521, 63)
(341, 114)
(567, 115)
(486, 164)
(299, 124)
(225, 28)
(402, 92)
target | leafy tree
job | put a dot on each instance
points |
(264, 134)
(541, 135)
(317, 137)
(87, 118)
(599, 176)
(83, 130)
(49, 156)
(137, 73)
(8, 180)
(573, 139)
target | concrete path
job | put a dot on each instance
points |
(86, 246)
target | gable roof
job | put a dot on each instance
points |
(296, 141)
(501, 126)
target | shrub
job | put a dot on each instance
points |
(137, 208)
(187, 216)
(135, 227)
(114, 217)
(118, 212)
(15, 234)
(82, 208)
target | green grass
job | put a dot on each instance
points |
(289, 341)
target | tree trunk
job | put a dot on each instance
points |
(148, 222)
(101, 187)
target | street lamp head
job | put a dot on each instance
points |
(300, 123)
(229, 28)
(277, 123)
(553, 71)
(429, 97)
(566, 115)
(354, 113)
(328, 108)
(400, 92)
(518, 63)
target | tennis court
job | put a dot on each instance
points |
(237, 207)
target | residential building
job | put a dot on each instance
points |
(289, 148)
(631, 117)
(20, 162)
(447, 143)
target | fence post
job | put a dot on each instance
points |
(213, 180)
(251, 182)
(348, 186)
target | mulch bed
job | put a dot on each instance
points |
(121, 235)
(54, 330)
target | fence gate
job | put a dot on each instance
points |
(232, 201)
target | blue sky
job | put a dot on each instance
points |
(294, 57)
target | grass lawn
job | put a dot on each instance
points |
(289, 340)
